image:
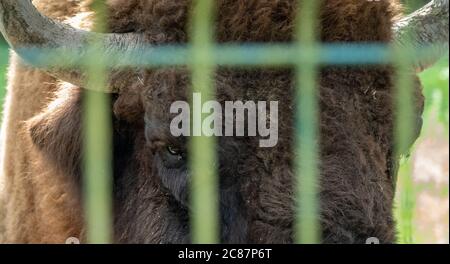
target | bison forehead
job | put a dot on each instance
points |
(159, 89)
(255, 20)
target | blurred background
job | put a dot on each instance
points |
(429, 202)
(429, 199)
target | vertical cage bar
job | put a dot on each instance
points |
(307, 226)
(4, 58)
(403, 137)
(97, 142)
(204, 215)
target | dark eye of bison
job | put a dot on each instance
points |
(173, 157)
(175, 151)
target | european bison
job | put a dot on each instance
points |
(41, 136)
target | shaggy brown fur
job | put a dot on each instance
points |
(41, 163)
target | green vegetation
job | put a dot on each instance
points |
(436, 91)
(408, 214)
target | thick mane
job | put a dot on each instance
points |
(236, 20)
(255, 20)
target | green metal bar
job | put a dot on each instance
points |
(204, 215)
(405, 201)
(4, 58)
(97, 143)
(307, 229)
(403, 136)
(250, 54)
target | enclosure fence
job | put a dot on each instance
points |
(202, 55)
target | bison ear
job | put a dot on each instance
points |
(57, 132)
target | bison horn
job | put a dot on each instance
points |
(427, 27)
(24, 27)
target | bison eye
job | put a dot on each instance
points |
(173, 157)
(174, 151)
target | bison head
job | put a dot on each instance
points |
(256, 184)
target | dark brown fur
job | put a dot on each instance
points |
(257, 188)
